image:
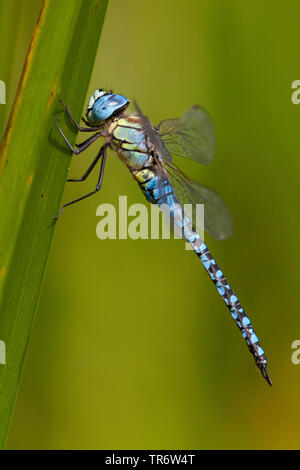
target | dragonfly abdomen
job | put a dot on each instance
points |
(229, 297)
(155, 186)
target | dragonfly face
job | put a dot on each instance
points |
(103, 105)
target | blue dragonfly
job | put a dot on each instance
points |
(148, 152)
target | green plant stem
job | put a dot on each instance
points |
(33, 169)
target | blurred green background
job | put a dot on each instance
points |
(132, 346)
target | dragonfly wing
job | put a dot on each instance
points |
(217, 219)
(194, 131)
(191, 136)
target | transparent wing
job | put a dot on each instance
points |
(217, 219)
(191, 136)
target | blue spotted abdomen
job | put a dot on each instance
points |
(156, 186)
(231, 300)
(158, 190)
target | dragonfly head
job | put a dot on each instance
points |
(103, 105)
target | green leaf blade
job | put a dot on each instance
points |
(33, 170)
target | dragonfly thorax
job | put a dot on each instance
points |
(129, 141)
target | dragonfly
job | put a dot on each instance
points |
(148, 151)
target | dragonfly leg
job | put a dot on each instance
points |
(88, 171)
(99, 183)
(86, 143)
(82, 146)
(80, 128)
